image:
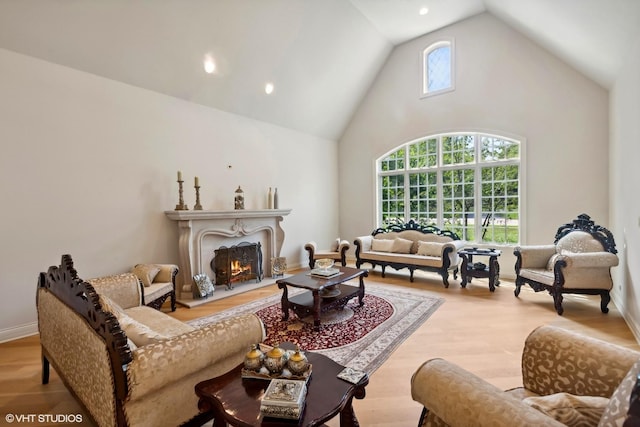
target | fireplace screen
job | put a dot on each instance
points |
(238, 263)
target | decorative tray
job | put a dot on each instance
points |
(264, 374)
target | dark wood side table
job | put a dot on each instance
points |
(313, 302)
(233, 400)
(492, 271)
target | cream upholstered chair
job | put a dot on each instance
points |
(578, 262)
(337, 252)
(567, 379)
(158, 283)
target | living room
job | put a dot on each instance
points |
(90, 162)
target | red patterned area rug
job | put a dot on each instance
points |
(359, 337)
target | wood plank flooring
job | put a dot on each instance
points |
(476, 329)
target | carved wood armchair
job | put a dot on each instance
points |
(337, 252)
(579, 262)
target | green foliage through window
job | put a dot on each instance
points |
(467, 183)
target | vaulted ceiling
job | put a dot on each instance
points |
(320, 55)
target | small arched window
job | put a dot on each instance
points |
(437, 64)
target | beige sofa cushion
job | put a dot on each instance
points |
(570, 410)
(429, 248)
(402, 246)
(382, 245)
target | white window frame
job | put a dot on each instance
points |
(476, 165)
(424, 92)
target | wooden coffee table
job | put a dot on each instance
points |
(313, 302)
(231, 399)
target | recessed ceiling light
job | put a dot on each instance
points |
(268, 88)
(423, 10)
(209, 64)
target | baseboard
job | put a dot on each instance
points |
(10, 334)
(631, 323)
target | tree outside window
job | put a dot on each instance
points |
(465, 183)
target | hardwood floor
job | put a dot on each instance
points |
(476, 329)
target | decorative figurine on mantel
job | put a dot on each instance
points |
(239, 199)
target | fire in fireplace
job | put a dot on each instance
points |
(238, 263)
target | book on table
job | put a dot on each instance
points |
(326, 274)
(284, 399)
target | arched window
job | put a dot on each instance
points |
(438, 71)
(469, 183)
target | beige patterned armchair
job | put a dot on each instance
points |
(568, 379)
(159, 283)
(126, 363)
(578, 262)
(337, 252)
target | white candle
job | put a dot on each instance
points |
(179, 175)
(197, 182)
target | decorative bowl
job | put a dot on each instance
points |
(324, 263)
(479, 266)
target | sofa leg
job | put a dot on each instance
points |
(383, 267)
(557, 302)
(45, 370)
(173, 301)
(518, 286)
(411, 275)
(445, 279)
(604, 301)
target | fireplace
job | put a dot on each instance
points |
(201, 232)
(239, 263)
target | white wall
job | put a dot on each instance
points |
(88, 167)
(507, 85)
(625, 202)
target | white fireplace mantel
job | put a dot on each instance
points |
(199, 232)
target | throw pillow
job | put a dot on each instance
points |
(138, 332)
(146, 273)
(381, 245)
(570, 410)
(111, 306)
(335, 245)
(402, 246)
(616, 411)
(430, 248)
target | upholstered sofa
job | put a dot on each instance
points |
(568, 379)
(337, 252)
(411, 246)
(579, 261)
(128, 364)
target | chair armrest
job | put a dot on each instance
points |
(556, 360)
(312, 248)
(462, 399)
(167, 273)
(363, 243)
(343, 246)
(534, 256)
(589, 259)
(124, 289)
(191, 352)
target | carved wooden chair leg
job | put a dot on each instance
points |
(519, 284)
(173, 301)
(45, 370)
(411, 275)
(445, 278)
(605, 297)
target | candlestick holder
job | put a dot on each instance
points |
(197, 206)
(181, 206)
